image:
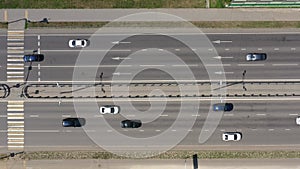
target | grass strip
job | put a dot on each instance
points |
(95, 4)
(200, 24)
(166, 155)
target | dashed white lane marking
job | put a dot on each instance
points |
(287, 64)
(142, 130)
(130, 115)
(157, 130)
(109, 130)
(190, 130)
(177, 49)
(98, 115)
(251, 64)
(228, 114)
(66, 115)
(144, 50)
(173, 130)
(243, 49)
(164, 115)
(195, 49)
(253, 129)
(259, 49)
(34, 115)
(152, 65)
(218, 65)
(293, 48)
(206, 130)
(293, 114)
(193, 65)
(222, 130)
(227, 49)
(195, 115)
(261, 114)
(271, 129)
(287, 129)
(276, 48)
(161, 49)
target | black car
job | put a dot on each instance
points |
(73, 122)
(223, 107)
(131, 123)
(33, 58)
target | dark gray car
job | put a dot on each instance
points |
(256, 56)
(131, 123)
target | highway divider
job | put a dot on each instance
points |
(169, 90)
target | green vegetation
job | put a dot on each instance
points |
(219, 3)
(167, 155)
(202, 24)
(87, 4)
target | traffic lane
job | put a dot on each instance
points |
(146, 41)
(162, 72)
(30, 43)
(3, 127)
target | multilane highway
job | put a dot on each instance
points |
(262, 122)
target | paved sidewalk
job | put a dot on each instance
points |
(194, 14)
(153, 164)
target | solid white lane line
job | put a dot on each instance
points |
(41, 131)
(72, 66)
(287, 64)
(251, 64)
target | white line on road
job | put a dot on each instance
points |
(41, 131)
(276, 48)
(152, 65)
(287, 64)
(243, 49)
(164, 115)
(173, 130)
(39, 37)
(218, 65)
(142, 130)
(287, 129)
(34, 115)
(259, 49)
(293, 48)
(130, 115)
(293, 114)
(66, 115)
(88, 50)
(194, 65)
(195, 115)
(228, 114)
(260, 114)
(251, 64)
(227, 49)
(177, 49)
(157, 130)
(271, 129)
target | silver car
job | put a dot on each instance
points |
(256, 56)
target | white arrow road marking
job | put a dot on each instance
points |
(223, 57)
(118, 73)
(222, 41)
(120, 58)
(223, 72)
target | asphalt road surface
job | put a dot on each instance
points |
(270, 123)
(282, 61)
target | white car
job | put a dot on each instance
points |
(232, 136)
(78, 43)
(109, 109)
(298, 120)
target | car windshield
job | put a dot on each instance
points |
(73, 43)
(112, 110)
(235, 137)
